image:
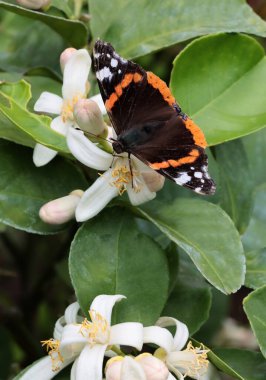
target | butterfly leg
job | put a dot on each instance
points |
(131, 170)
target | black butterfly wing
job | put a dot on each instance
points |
(149, 123)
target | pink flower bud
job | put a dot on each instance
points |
(64, 57)
(34, 4)
(153, 180)
(113, 368)
(89, 117)
(154, 368)
(61, 210)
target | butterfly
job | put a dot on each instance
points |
(149, 123)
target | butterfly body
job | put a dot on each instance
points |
(149, 123)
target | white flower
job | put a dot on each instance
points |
(138, 179)
(75, 87)
(190, 362)
(85, 342)
(61, 210)
(143, 367)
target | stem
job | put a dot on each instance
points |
(117, 350)
(77, 8)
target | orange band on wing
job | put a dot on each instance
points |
(161, 86)
(193, 155)
(197, 133)
(128, 78)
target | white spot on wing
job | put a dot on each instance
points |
(119, 71)
(108, 55)
(104, 74)
(114, 62)
(198, 190)
(198, 174)
(183, 179)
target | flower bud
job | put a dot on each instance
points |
(34, 4)
(153, 180)
(88, 117)
(64, 57)
(154, 368)
(61, 210)
(113, 368)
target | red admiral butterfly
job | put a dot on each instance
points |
(149, 123)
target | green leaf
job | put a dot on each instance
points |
(255, 237)
(74, 32)
(104, 260)
(255, 308)
(206, 234)
(236, 183)
(155, 24)
(242, 364)
(256, 268)
(25, 188)
(190, 301)
(220, 81)
(20, 49)
(14, 98)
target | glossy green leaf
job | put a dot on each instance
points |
(255, 308)
(74, 32)
(220, 81)
(255, 150)
(256, 268)
(236, 182)
(21, 50)
(25, 188)
(139, 27)
(190, 300)
(208, 236)
(104, 259)
(255, 237)
(241, 364)
(14, 98)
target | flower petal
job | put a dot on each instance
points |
(181, 334)
(104, 304)
(71, 313)
(59, 126)
(76, 74)
(142, 196)
(49, 103)
(86, 151)
(99, 100)
(96, 197)
(90, 362)
(72, 341)
(42, 155)
(132, 370)
(42, 370)
(171, 377)
(127, 334)
(159, 336)
(58, 328)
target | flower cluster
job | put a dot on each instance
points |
(89, 343)
(80, 120)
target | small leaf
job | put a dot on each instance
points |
(74, 32)
(104, 260)
(255, 237)
(219, 81)
(25, 188)
(206, 234)
(154, 25)
(13, 101)
(255, 308)
(190, 299)
(236, 182)
(241, 364)
(256, 268)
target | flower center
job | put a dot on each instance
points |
(97, 331)
(53, 346)
(123, 176)
(68, 107)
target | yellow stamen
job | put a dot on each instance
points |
(122, 177)
(53, 349)
(68, 107)
(96, 331)
(200, 362)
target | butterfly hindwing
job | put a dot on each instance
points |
(149, 123)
